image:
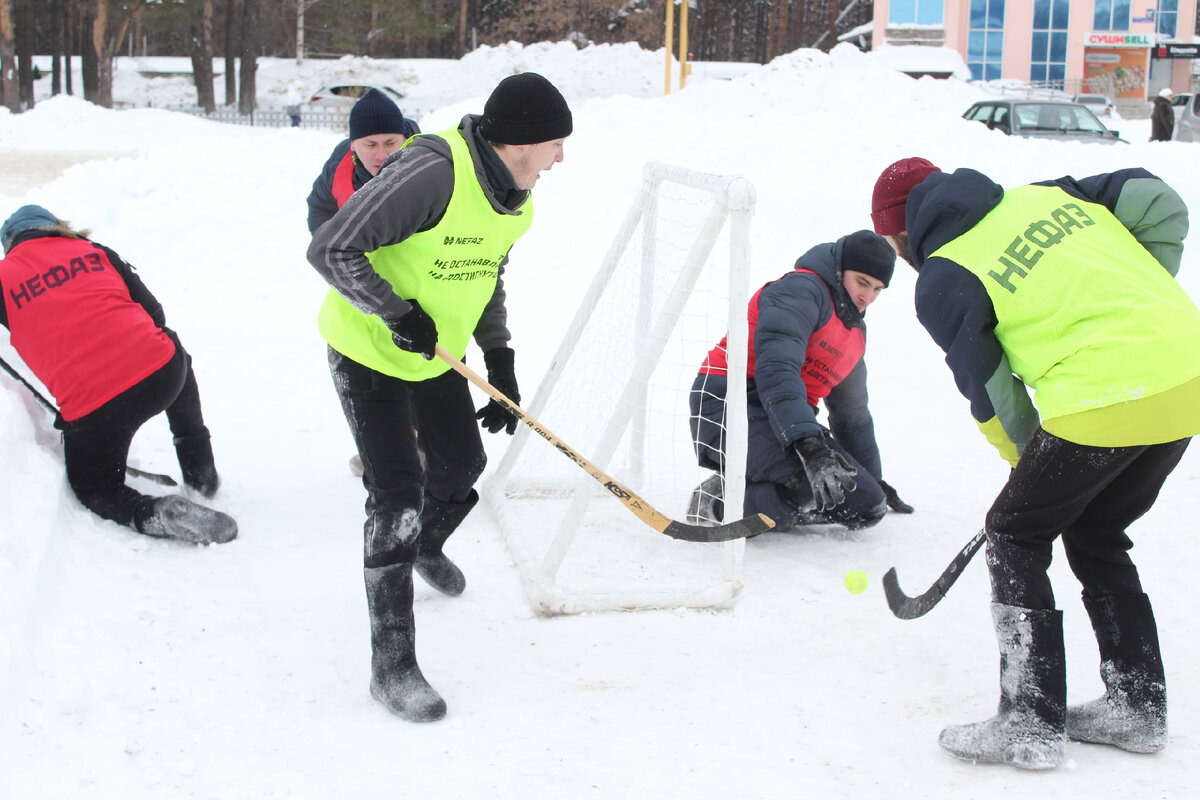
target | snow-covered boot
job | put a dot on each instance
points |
(1132, 713)
(707, 505)
(175, 517)
(439, 519)
(396, 680)
(1028, 730)
(196, 462)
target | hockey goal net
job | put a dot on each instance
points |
(672, 283)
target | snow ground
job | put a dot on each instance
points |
(138, 668)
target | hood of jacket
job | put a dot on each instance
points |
(946, 205)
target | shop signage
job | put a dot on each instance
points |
(1118, 39)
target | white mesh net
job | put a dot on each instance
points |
(617, 393)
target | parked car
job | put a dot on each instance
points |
(1100, 105)
(342, 96)
(1042, 120)
(1187, 126)
(1179, 102)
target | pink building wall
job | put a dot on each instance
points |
(1018, 34)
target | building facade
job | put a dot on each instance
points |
(1125, 49)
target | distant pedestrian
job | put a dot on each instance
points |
(292, 103)
(90, 330)
(1162, 117)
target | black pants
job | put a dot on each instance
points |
(1089, 495)
(776, 483)
(96, 446)
(394, 422)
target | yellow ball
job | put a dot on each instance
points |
(856, 581)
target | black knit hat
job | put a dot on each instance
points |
(375, 113)
(863, 251)
(525, 109)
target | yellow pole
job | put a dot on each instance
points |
(670, 40)
(683, 43)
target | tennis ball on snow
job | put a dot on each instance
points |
(856, 581)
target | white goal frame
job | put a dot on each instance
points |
(732, 204)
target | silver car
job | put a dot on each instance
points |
(1187, 126)
(1042, 119)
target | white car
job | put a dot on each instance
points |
(1187, 124)
(1100, 105)
(342, 96)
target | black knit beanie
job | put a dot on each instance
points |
(525, 109)
(375, 113)
(863, 251)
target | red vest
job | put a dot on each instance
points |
(74, 324)
(343, 179)
(833, 351)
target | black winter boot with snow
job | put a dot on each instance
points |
(439, 519)
(196, 463)
(1028, 730)
(396, 680)
(175, 517)
(1132, 713)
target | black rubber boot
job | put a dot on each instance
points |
(439, 519)
(1132, 713)
(175, 517)
(1029, 729)
(396, 680)
(707, 504)
(196, 462)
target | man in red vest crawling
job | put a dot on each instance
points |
(91, 331)
(377, 129)
(807, 339)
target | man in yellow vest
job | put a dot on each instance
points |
(1067, 288)
(415, 258)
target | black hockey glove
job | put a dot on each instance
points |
(829, 473)
(893, 500)
(503, 376)
(414, 332)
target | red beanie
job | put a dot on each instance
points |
(891, 193)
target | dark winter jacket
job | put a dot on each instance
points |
(954, 305)
(410, 194)
(789, 311)
(1162, 120)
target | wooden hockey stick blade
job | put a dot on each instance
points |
(906, 607)
(739, 529)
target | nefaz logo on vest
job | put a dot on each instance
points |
(30, 289)
(1027, 249)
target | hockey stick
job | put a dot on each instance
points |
(154, 477)
(750, 526)
(906, 607)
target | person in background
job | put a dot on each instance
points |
(807, 340)
(377, 129)
(1162, 117)
(292, 101)
(415, 259)
(90, 330)
(1065, 287)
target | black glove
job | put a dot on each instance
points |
(501, 375)
(414, 332)
(829, 473)
(893, 500)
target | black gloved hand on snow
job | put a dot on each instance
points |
(414, 332)
(502, 375)
(829, 473)
(893, 499)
